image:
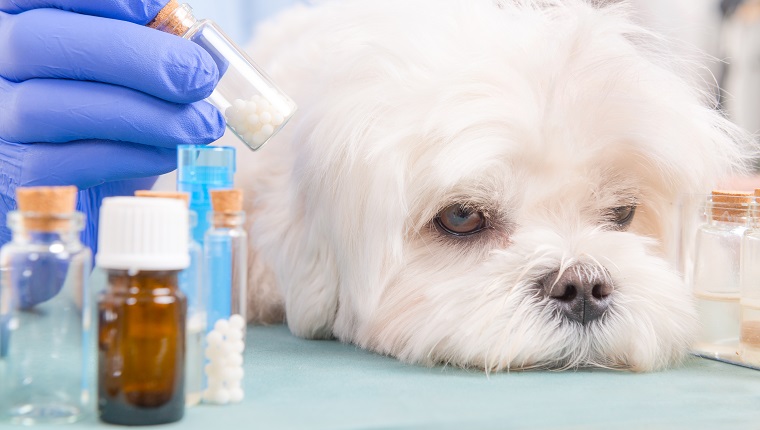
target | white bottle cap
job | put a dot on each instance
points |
(143, 233)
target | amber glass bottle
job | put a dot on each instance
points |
(142, 313)
(141, 348)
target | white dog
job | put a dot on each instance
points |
(480, 184)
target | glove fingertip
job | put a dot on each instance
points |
(206, 75)
(211, 125)
(219, 126)
(193, 72)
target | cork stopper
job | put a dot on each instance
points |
(730, 206)
(50, 206)
(227, 200)
(228, 207)
(185, 197)
(173, 19)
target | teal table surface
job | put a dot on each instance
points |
(293, 383)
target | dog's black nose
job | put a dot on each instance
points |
(581, 292)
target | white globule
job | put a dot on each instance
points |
(254, 120)
(215, 384)
(235, 335)
(235, 360)
(214, 352)
(230, 348)
(224, 371)
(237, 322)
(214, 338)
(214, 369)
(237, 346)
(221, 327)
(236, 395)
(220, 396)
(233, 373)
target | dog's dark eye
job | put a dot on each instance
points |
(622, 216)
(459, 220)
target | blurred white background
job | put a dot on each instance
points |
(728, 30)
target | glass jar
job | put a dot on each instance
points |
(252, 105)
(46, 314)
(749, 337)
(716, 279)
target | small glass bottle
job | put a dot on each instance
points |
(142, 245)
(749, 337)
(254, 108)
(46, 311)
(716, 274)
(226, 257)
(200, 169)
(191, 284)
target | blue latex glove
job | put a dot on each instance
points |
(90, 97)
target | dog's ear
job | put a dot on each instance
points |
(311, 287)
(291, 253)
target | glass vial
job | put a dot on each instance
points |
(749, 337)
(226, 257)
(45, 311)
(716, 274)
(254, 108)
(200, 169)
(142, 245)
(191, 284)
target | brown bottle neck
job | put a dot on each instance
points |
(144, 281)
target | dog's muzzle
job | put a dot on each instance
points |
(581, 292)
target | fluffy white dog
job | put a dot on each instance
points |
(480, 184)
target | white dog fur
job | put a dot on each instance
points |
(544, 115)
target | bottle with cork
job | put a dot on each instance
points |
(750, 288)
(226, 262)
(254, 108)
(142, 314)
(46, 312)
(226, 256)
(191, 284)
(716, 281)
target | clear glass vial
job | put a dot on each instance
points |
(716, 282)
(254, 108)
(46, 312)
(191, 284)
(226, 257)
(750, 288)
(142, 314)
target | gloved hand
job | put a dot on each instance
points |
(90, 97)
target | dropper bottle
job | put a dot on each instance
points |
(254, 108)
(191, 284)
(142, 244)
